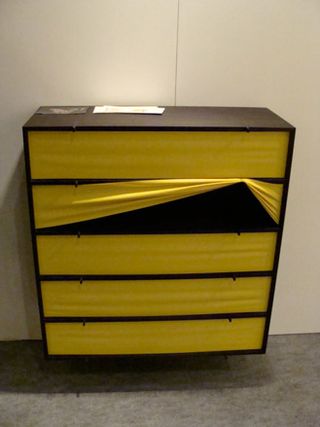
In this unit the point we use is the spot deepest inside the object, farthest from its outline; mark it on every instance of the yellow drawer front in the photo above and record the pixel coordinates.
(155, 297)
(155, 337)
(157, 154)
(56, 205)
(156, 254)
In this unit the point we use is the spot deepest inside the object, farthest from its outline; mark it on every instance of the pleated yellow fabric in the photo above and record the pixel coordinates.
(155, 336)
(155, 297)
(156, 254)
(160, 155)
(65, 204)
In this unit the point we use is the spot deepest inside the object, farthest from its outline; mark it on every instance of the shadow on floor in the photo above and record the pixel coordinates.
(24, 369)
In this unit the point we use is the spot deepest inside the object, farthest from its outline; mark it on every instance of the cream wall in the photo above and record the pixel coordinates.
(254, 53)
(67, 52)
(237, 52)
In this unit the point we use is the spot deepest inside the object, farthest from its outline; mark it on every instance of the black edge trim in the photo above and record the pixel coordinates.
(84, 277)
(147, 355)
(49, 232)
(164, 318)
(154, 128)
(279, 237)
(34, 240)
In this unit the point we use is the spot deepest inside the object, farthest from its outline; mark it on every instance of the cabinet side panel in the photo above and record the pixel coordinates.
(33, 236)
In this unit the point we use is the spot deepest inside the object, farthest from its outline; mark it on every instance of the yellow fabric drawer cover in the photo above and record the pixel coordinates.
(156, 254)
(155, 297)
(155, 336)
(113, 154)
(65, 204)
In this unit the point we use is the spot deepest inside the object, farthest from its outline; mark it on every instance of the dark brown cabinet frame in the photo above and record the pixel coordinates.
(228, 119)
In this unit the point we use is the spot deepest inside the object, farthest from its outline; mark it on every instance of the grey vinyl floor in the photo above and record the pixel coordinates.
(279, 389)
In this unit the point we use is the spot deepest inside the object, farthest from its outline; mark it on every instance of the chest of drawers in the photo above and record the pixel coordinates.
(157, 234)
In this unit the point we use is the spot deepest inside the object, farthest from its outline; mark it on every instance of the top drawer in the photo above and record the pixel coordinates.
(146, 154)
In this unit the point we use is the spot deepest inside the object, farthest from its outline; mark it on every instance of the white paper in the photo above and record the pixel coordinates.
(128, 110)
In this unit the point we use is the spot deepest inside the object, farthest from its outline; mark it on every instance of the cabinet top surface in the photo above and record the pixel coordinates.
(173, 118)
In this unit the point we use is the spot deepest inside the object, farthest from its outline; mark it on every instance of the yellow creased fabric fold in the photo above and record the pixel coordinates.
(90, 201)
